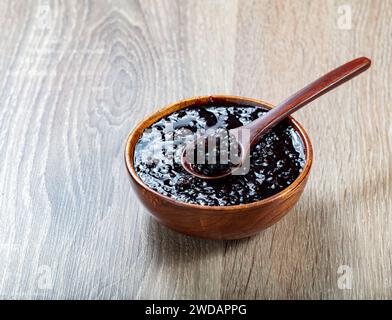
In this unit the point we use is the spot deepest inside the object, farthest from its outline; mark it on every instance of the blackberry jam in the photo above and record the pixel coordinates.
(275, 161)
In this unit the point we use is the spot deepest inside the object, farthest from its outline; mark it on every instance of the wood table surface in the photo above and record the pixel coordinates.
(76, 76)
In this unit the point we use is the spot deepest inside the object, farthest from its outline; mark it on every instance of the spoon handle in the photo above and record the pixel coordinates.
(302, 97)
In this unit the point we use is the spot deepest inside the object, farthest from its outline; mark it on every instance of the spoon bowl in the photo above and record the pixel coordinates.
(188, 164)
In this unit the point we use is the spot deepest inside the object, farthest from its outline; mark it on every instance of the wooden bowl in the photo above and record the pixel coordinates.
(216, 222)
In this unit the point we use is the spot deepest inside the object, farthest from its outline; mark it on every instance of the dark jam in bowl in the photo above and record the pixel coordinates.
(275, 162)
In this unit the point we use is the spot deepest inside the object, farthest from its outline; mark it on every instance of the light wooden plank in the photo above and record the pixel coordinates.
(76, 76)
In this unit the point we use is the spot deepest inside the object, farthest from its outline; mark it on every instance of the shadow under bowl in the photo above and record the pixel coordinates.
(216, 222)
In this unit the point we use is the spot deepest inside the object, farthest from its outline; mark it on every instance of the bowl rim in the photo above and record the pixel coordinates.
(161, 112)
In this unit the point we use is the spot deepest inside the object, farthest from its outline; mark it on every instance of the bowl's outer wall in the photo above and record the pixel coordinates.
(209, 224)
(202, 221)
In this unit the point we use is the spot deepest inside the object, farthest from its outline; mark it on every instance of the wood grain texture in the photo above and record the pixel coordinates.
(77, 75)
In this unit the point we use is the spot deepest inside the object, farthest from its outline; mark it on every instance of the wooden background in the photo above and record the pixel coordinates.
(77, 75)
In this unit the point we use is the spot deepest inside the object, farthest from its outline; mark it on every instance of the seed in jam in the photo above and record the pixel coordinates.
(275, 161)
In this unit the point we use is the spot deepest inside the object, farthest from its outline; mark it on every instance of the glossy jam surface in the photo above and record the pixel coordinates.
(275, 162)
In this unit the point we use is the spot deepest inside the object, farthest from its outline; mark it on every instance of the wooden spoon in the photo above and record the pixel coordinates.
(257, 128)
